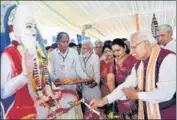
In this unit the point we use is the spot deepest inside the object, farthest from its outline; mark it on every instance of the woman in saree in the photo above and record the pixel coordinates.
(105, 65)
(118, 72)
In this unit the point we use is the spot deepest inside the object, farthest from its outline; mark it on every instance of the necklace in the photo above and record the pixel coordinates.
(64, 57)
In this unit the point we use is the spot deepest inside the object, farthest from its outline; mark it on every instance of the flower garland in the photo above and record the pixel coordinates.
(40, 78)
(43, 86)
(44, 90)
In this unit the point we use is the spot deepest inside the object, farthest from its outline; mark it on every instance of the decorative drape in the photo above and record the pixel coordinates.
(154, 26)
(110, 19)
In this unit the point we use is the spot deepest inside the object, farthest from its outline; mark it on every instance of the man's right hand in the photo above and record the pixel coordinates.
(27, 63)
(98, 103)
(92, 84)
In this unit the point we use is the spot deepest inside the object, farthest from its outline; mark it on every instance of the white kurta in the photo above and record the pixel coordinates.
(65, 65)
(62, 66)
(166, 85)
(10, 84)
(91, 65)
(171, 46)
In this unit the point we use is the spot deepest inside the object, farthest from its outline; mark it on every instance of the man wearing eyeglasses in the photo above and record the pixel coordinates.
(154, 76)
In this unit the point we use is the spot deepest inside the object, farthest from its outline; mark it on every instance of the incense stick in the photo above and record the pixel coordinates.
(95, 111)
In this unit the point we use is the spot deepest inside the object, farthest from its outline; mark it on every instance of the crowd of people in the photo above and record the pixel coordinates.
(110, 64)
(120, 79)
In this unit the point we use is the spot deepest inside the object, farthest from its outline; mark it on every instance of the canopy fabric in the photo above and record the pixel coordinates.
(110, 19)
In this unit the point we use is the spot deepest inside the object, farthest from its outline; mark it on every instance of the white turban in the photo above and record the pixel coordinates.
(21, 14)
(25, 28)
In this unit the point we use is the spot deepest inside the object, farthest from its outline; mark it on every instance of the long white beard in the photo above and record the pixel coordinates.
(29, 43)
(84, 54)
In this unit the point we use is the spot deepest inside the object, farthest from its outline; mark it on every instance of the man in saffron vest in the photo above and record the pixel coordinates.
(155, 77)
(24, 71)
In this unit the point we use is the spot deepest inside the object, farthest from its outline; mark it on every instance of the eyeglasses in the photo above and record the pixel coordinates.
(134, 47)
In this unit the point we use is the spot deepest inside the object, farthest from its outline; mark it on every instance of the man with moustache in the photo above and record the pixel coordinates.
(64, 65)
(91, 64)
(165, 37)
(98, 45)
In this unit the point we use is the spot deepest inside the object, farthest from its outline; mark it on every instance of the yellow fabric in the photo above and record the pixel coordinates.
(30, 116)
(33, 83)
(153, 111)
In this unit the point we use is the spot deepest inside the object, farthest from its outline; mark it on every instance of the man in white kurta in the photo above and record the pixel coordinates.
(171, 45)
(91, 65)
(165, 38)
(98, 45)
(166, 85)
(64, 63)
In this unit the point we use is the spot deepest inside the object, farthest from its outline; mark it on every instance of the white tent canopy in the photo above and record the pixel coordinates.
(110, 19)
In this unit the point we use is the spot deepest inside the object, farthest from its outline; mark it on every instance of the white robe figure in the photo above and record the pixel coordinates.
(25, 32)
